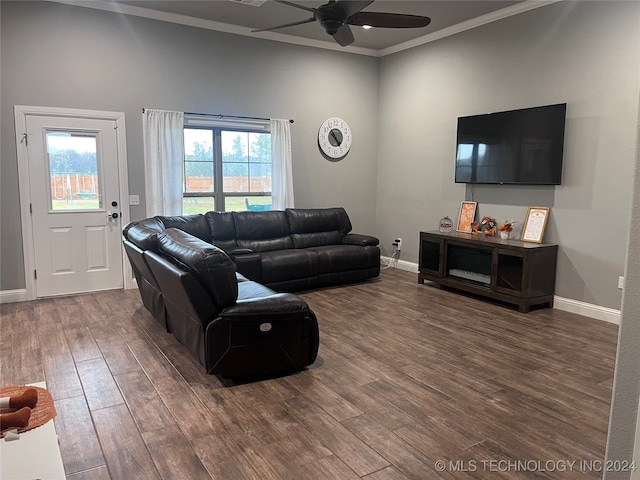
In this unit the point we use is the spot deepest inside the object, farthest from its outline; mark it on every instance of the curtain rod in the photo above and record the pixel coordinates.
(220, 115)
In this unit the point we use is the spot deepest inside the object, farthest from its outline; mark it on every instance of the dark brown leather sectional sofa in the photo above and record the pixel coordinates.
(213, 281)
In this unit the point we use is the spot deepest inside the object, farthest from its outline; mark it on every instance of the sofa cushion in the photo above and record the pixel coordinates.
(306, 240)
(359, 239)
(223, 230)
(196, 225)
(342, 258)
(262, 231)
(312, 220)
(211, 266)
(282, 243)
(281, 265)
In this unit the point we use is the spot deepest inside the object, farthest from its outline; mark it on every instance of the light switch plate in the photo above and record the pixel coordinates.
(134, 199)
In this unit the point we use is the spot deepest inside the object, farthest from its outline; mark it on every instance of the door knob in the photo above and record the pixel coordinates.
(112, 215)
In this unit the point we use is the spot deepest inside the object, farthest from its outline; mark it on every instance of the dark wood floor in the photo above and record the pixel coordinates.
(407, 375)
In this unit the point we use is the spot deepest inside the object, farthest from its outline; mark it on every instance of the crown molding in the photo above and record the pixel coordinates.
(116, 7)
(506, 12)
(213, 25)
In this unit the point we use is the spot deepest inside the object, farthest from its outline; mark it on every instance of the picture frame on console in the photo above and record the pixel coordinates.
(534, 224)
(467, 216)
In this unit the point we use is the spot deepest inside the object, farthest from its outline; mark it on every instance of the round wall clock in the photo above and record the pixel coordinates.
(334, 138)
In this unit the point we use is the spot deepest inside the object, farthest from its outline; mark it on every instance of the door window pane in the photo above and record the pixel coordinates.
(74, 171)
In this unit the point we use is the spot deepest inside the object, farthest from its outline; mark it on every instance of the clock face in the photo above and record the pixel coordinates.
(334, 137)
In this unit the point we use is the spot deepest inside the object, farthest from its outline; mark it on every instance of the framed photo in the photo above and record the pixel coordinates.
(466, 217)
(534, 224)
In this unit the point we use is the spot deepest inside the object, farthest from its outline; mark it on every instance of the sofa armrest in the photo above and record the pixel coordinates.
(278, 305)
(238, 251)
(144, 234)
(248, 264)
(358, 239)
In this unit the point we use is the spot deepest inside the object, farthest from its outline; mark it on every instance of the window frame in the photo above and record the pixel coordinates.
(219, 195)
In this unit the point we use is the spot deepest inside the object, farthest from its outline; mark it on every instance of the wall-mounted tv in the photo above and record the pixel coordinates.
(515, 147)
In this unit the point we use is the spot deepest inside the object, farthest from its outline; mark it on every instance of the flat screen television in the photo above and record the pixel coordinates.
(515, 147)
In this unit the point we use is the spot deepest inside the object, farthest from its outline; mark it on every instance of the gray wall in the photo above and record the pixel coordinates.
(398, 178)
(583, 54)
(63, 56)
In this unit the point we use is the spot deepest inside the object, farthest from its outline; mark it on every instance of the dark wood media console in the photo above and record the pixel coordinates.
(511, 271)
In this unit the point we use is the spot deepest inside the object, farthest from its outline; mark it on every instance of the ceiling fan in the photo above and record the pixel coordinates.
(336, 16)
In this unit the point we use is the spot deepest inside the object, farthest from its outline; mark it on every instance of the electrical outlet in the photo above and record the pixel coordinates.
(399, 242)
(620, 283)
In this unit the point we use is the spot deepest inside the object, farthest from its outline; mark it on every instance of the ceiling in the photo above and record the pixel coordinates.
(242, 16)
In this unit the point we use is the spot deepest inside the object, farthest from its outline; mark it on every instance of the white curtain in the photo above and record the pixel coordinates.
(163, 133)
(282, 176)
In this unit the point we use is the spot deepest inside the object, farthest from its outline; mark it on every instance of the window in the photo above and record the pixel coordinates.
(226, 168)
(74, 171)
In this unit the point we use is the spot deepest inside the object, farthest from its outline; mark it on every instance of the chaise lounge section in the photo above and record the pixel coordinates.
(232, 326)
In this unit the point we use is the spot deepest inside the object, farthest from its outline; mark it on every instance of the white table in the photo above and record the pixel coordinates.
(35, 455)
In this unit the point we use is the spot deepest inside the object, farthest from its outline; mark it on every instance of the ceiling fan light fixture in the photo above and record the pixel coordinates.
(331, 25)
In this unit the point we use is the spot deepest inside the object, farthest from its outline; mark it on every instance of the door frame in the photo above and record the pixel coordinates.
(21, 113)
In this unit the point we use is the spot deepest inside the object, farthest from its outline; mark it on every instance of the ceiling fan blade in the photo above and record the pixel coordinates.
(292, 24)
(351, 7)
(344, 36)
(291, 4)
(388, 20)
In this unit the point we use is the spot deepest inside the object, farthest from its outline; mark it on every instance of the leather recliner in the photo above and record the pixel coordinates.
(231, 325)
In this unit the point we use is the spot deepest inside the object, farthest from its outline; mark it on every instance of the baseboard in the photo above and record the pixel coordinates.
(565, 304)
(12, 296)
(400, 264)
(590, 310)
(408, 266)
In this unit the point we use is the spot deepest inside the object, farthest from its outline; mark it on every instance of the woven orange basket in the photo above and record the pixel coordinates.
(40, 414)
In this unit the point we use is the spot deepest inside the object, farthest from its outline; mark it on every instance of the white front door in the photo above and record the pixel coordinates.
(75, 204)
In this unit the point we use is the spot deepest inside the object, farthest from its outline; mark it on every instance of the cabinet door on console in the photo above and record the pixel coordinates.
(431, 254)
(509, 272)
